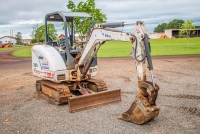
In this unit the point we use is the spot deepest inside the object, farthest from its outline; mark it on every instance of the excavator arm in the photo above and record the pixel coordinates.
(144, 108)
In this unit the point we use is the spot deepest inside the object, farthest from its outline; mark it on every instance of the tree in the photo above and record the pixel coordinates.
(38, 33)
(187, 28)
(35, 37)
(160, 28)
(52, 32)
(174, 24)
(34, 31)
(33, 41)
(19, 37)
(197, 26)
(82, 26)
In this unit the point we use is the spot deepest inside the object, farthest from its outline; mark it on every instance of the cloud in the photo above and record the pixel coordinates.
(152, 12)
(22, 15)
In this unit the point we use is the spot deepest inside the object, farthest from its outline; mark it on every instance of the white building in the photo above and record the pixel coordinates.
(8, 39)
(155, 35)
(174, 33)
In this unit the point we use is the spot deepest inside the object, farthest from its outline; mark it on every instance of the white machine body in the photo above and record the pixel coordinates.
(47, 63)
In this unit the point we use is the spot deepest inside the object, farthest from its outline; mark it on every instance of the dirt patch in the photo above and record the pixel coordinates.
(126, 79)
(16, 79)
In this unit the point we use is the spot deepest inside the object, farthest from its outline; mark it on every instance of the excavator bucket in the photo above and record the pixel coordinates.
(77, 103)
(144, 108)
(139, 114)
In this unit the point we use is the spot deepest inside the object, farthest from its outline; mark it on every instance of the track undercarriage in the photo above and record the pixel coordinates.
(79, 95)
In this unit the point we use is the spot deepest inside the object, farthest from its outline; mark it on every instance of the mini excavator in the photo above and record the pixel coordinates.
(67, 72)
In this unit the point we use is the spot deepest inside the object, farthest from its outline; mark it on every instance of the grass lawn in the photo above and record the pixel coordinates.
(24, 53)
(159, 47)
(115, 49)
(176, 46)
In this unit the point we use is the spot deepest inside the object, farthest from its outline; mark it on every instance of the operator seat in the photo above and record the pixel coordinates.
(74, 52)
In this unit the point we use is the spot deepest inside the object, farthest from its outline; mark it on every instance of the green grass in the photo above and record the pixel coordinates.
(115, 49)
(174, 47)
(159, 47)
(23, 53)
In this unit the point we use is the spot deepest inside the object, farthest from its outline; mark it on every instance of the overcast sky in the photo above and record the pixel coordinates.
(22, 15)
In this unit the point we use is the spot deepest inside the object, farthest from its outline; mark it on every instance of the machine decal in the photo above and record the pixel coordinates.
(106, 35)
(45, 67)
(45, 63)
(35, 64)
(45, 74)
(50, 75)
(40, 57)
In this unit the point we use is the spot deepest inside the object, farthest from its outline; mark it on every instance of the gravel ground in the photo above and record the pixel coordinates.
(23, 111)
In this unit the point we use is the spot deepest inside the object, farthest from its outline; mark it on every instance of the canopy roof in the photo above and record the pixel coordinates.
(59, 15)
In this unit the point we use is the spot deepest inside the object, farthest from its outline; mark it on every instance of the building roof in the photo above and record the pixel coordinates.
(8, 37)
(61, 36)
(183, 29)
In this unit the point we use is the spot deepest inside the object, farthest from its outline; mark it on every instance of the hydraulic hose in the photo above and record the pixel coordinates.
(136, 58)
(146, 54)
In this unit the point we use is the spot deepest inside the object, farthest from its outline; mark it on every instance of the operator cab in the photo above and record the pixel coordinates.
(67, 46)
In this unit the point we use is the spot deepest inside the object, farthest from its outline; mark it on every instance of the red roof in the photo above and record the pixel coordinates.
(61, 36)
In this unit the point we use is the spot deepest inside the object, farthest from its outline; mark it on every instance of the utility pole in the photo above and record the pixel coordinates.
(179, 29)
(10, 36)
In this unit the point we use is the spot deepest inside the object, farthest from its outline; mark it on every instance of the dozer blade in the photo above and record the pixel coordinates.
(77, 103)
